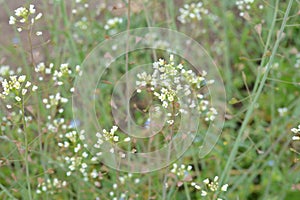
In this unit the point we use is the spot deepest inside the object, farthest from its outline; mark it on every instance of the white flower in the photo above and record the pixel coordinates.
(85, 154)
(203, 193)
(38, 33)
(12, 20)
(295, 138)
(31, 9)
(34, 88)
(116, 138)
(38, 16)
(21, 11)
(18, 98)
(24, 91)
(282, 111)
(224, 187)
(216, 178)
(198, 187)
(206, 181)
(127, 139)
(22, 78)
(27, 84)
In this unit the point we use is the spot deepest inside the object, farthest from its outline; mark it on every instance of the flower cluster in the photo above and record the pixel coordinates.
(108, 136)
(50, 186)
(55, 101)
(25, 17)
(171, 84)
(192, 12)
(244, 5)
(210, 186)
(16, 87)
(6, 71)
(112, 25)
(182, 172)
(296, 132)
(58, 75)
(74, 142)
(81, 6)
(123, 180)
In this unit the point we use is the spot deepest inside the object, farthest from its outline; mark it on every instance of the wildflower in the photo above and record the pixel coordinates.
(127, 139)
(50, 186)
(31, 9)
(39, 16)
(171, 83)
(282, 111)
(245, 5)
(296, 131)
(39, 33)
(34, 88)
(24, 91)
(24, 16)
(192, 12)
(206, 181)
(182, 172)
(28, 84)
(224, 187)
(203, 193)
(22, 78)
(112, 25)
(18, 98)
(12, 20)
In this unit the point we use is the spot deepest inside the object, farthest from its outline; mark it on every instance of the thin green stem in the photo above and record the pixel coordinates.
(233, 153)
(6, 192)
(26, 152)
(187, 192)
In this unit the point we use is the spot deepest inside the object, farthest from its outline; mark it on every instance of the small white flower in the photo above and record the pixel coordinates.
(127, 139)
(22, 78)
(282, 111)
(85, 154)
(203, 193)
(224, 187)
(64, 100)
(44, 188)
(31, 9)
(34, 88)
(116, 138)
(197, 187)
(38, 16)
(295, 138)
(18, 98)
(216, 178)
(171, 57)
(27, 84)
(24, 91)
(206, 181)
(39, 33)
(12, 20)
